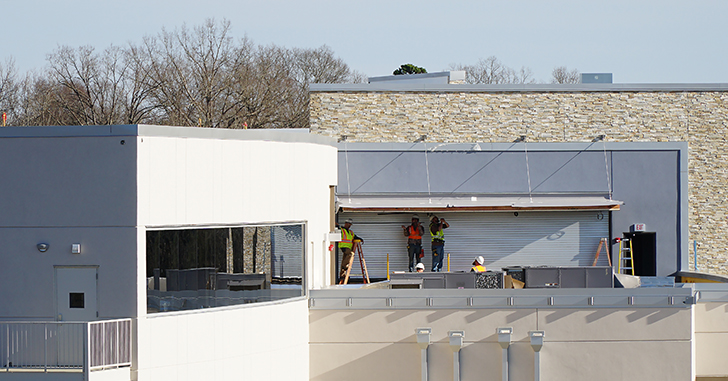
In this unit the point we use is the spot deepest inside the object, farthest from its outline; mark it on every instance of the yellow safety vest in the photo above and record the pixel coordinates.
(440, 235)
(478, 269)
(347, 237)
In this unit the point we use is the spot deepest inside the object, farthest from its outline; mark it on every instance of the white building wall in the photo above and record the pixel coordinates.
(267, 341)
(193, 181)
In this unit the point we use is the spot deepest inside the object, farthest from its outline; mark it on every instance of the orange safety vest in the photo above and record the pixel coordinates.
(347, 237)
(414, 233)
(478, 269)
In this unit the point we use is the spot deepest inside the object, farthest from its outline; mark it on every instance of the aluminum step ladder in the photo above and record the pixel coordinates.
(364, 273)
(626, 260)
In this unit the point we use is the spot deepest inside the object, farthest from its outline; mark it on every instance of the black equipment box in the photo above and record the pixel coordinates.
(417, 280)
(569, 277)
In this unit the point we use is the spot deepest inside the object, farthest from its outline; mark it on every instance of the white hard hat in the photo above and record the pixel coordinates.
(349, 221)
(480, 260)
(420, 266)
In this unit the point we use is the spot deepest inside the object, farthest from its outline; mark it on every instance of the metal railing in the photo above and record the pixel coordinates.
(48, 346)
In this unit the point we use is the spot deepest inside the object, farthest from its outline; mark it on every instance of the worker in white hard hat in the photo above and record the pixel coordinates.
(414, 233)
(420, 268)
(478, 265)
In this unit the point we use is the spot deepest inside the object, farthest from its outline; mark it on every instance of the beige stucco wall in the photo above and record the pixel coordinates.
(579, 344)
(699, 117)
(711, 339)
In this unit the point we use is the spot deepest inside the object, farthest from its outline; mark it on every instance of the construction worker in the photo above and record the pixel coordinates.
(346, 245)
(438, 241)
(420, 268)
(478, 265)
(414, 233)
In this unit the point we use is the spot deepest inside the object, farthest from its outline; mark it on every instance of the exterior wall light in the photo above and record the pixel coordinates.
(456, 342)
(76, 248)
(42, 247)
(423, 341)
(536, 344)
(504, 340)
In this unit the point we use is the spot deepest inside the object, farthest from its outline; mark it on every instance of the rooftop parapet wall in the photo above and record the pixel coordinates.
(637, 113)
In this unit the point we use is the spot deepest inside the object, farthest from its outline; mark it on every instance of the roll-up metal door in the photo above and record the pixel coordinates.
(287, 247)
(562, 238)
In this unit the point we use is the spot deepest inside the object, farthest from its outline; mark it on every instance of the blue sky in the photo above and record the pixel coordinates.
(638, 41)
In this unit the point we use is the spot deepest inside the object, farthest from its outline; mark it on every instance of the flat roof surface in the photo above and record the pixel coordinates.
(297, 135)
(402, 86)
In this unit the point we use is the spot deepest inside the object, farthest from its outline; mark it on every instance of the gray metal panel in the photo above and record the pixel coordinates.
(565, 238)
(650, 186)
(477, 172)
(596, 77)
(287, 251)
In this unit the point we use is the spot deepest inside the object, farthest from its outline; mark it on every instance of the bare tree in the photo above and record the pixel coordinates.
(320, 66)
(9, 88)
(492, 71)
(563, 75)
(197, 76)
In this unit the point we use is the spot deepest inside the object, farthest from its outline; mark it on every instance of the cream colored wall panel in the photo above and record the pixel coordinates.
(615, 324)
(199, 180)
(180, 181)
(711, 317)
(231, 203)
(365, 361)
(711, 350)
(382, 326)
(638, 361)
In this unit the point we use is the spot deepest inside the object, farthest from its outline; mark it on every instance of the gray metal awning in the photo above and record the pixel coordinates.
(474, 203)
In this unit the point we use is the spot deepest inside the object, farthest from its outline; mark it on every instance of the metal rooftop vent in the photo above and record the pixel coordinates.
(596, 77)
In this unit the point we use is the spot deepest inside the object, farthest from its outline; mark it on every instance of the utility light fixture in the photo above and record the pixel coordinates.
(519, 139)
(598, 138)
(42, 247)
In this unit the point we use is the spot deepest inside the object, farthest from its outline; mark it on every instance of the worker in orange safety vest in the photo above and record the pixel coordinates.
(414, 233)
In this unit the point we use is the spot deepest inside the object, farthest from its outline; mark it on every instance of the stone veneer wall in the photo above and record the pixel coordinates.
(699, 117)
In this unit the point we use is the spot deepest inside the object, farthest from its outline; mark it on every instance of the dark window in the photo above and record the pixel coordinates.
(211, 267)
(76, 300)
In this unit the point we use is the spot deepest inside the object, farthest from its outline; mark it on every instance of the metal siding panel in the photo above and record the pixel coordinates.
(503, 239)
(287, 250)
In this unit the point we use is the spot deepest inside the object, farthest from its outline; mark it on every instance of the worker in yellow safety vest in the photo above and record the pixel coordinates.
(347, 243)
(478, 265)
(438, 241)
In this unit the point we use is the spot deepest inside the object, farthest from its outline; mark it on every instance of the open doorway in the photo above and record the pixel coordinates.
(644, 252)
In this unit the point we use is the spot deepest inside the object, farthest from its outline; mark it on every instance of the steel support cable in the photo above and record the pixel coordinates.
(606, 166)
(427, 169)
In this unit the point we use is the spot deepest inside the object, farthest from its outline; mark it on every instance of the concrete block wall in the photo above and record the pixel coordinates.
(698, 117)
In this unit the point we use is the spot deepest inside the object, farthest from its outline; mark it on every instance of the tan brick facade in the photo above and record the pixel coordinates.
(698, 117)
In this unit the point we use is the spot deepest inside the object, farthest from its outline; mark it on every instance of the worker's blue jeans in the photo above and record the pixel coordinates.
(438, 252)
(413, 251)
